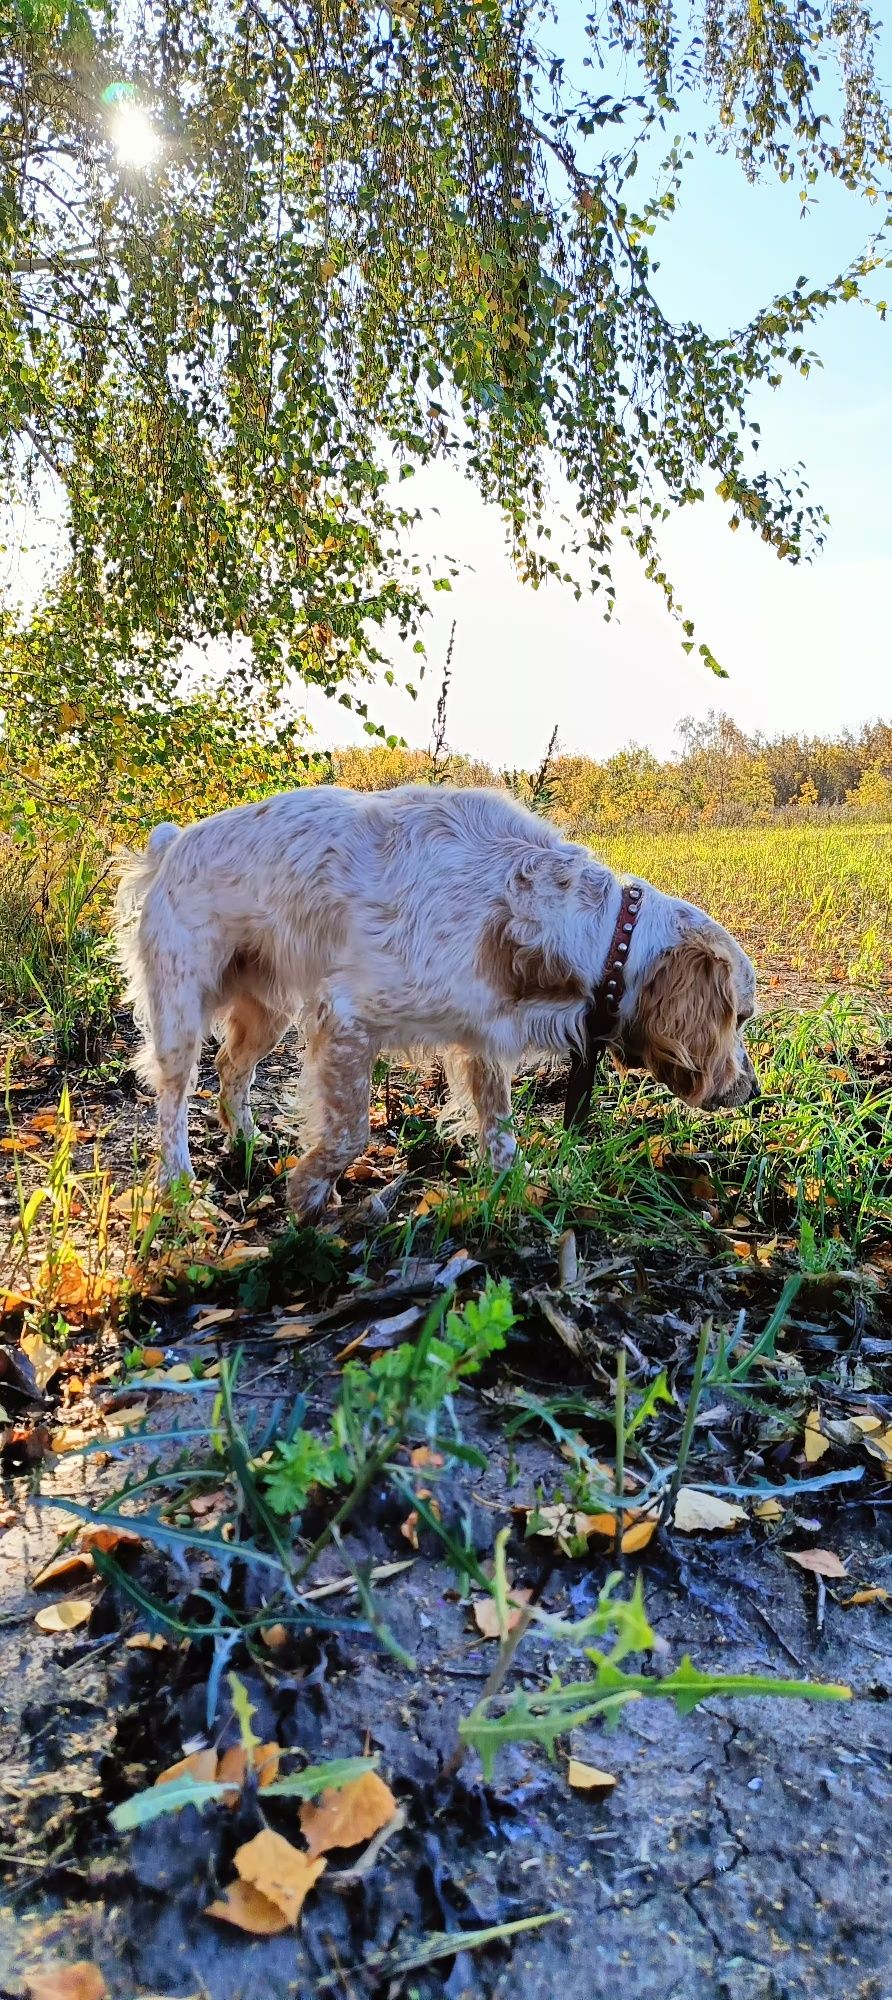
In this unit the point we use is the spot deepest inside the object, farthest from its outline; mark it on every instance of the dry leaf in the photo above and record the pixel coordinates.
(76, 1567)
(232, 1767)
(814, 1440)
(274, 1636)
(45, 1360)
(486, 1613)
(638, 1536)
(587, 1777)
(200, 1765)
(821, 1562)
(347, 1817)
(244, 1906)
(66, 1616)
(25, 1142)
(702, 1513)
(146, 1642)
(769, 1510)
(422, 1455)
(874, 1595)
(12, 1303)
(81, 1981)
(280, 1872)
(866, 1421)
(106, 1540)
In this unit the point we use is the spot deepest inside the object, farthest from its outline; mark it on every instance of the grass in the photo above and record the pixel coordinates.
(811, 901)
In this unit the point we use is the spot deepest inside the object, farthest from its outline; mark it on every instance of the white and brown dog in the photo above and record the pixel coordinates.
(418, 919)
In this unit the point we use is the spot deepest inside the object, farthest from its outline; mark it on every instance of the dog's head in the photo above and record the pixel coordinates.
(685, 1024)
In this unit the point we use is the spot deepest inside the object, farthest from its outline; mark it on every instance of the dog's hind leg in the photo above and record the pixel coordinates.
(252, 1030)
(176, 1022)
(335, 1087)
(484, 1084)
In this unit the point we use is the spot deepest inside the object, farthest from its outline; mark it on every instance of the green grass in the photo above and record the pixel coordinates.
(814, 901)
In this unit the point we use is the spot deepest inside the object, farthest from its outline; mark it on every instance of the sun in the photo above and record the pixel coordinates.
(137, 142)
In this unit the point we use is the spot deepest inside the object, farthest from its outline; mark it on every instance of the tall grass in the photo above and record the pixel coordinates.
(815, 901)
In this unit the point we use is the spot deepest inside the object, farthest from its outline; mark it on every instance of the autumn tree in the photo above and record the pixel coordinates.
(261, 261)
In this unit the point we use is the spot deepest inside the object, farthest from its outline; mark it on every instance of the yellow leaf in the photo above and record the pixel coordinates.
(349, 1816)
(821, 1562)
(146, 1642)
(280, 1872)
(867, 1422)
(80, 1981)
(814, 1441)
(587, 1777)
(769, 1510)
(274, 1636)
(486, 1613)
(638, 1536)
(704, 1513)
(874, 1595)
(245, 1907)
(44, 1359)
(65, 1616)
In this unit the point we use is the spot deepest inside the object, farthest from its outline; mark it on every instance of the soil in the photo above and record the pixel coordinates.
(743, 1853)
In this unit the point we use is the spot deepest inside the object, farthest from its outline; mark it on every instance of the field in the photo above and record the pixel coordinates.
(455, 1489)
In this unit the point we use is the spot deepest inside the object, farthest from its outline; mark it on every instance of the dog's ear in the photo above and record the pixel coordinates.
(686, 1016)
(543, 872)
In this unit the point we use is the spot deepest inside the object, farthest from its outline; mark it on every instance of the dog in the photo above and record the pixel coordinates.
(420, 919)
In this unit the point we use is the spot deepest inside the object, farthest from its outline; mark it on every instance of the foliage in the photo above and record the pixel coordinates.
(358, 239)
(552, 1712)
(394, 1397)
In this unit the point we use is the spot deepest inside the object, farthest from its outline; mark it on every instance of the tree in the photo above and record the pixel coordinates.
(257, 259)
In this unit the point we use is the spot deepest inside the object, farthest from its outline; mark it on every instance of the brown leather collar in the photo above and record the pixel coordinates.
(602, 1010)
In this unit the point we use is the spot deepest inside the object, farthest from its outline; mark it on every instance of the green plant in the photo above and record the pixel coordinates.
(552, 1712)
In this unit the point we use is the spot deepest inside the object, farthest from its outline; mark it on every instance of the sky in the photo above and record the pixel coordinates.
(806, 648)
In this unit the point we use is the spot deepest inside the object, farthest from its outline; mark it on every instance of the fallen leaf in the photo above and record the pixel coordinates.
(12, 1303)
(245, 1907)
(814, 1440)
(703, 1513)
(638, 1536)
(200, 1765)
(215, 1316)
(280, 1872)
(274, 1636)
(65, 1616)
(80, 1981)
(347, 1817)
(409, 1528)
(106, 1540)
(486, 1613)
(232, 1767)
(423, 1456)
(75, 1567)
(587, 1777)
(874, 1595)
(866, 1421)
(146, 1642)
(45, 1360)
(821, 1562)
(768, 1510)
(25, 1142)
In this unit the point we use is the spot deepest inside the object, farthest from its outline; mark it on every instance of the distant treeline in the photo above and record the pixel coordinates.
(720, 777)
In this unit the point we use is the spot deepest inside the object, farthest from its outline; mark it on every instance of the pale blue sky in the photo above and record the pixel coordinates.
(807, 648)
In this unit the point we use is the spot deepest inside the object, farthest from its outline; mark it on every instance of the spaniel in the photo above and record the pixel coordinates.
(417, 919)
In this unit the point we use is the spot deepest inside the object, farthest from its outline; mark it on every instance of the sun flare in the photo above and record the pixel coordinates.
(136, 140)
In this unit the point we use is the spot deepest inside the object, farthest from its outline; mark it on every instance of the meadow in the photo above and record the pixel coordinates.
(350, 1529)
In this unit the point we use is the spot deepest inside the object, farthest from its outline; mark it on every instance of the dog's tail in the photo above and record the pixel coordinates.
(137, 872)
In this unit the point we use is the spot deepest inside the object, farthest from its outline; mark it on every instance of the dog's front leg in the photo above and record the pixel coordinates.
(336, 1084)
(485, 1083)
